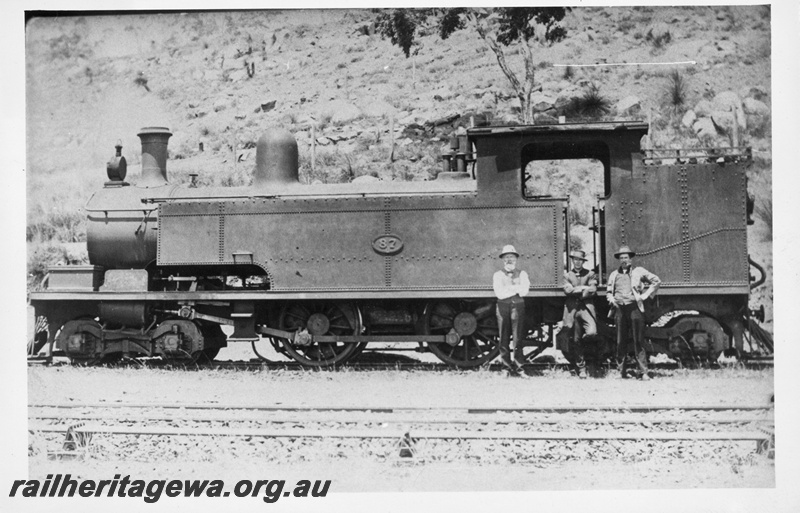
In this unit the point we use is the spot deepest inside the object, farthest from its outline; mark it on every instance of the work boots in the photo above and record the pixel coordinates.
(581, 365)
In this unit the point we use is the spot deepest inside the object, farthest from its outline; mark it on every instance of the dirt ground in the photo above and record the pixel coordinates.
(419, 388)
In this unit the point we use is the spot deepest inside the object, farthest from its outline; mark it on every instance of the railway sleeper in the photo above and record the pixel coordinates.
(79, 437)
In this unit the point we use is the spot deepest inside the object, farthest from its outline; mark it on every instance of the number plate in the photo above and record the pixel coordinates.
(387, 245)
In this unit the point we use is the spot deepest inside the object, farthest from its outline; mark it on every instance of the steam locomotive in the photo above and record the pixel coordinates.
(324, 270)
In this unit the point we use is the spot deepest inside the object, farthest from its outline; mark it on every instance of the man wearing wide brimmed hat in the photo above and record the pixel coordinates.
(627, 290)
(580, 317)
(510, 286)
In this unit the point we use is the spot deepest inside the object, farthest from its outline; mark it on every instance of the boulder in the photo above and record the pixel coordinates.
(755, 107)
(220, 105)
(727, 100)
(689, 118)
(541, 102)
(268, 106)
(75, 252)
(705, 130)
(724, 119)
(565, 99)
(488, 100)
(347, 133)
(444, 120)
(339, 111)
(704, 108)
(376, 109)
(442, 94)
(543, 118)
(755, 92)
(629, 105)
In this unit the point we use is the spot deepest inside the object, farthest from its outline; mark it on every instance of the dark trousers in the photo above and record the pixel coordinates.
(630, 325)
(510, 321)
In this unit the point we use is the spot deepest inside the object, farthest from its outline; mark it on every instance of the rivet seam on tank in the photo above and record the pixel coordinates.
(221, 231)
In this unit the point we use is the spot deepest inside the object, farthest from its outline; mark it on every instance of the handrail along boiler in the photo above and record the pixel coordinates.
(323, 270)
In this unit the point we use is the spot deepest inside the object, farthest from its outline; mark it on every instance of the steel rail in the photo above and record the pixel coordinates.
(633, 408)
(619, 419)
(366, 366)
(758, 436)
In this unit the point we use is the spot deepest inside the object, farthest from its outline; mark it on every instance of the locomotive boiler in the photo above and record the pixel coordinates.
(322, 271)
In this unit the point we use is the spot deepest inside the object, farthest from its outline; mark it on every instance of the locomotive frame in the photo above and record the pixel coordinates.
(323, 270)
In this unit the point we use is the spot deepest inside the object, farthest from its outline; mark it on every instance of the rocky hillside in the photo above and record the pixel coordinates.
(217, 80)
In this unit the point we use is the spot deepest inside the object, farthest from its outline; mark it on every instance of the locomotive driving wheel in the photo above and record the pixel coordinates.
(320, 318)
(473, 331)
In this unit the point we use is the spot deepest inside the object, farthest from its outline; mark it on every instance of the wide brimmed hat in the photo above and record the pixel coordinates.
(577, 253)
(623, 250)
(508, 249)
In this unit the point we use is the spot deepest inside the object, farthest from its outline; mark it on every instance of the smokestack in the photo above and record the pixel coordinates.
(276, 159)
(154, 156)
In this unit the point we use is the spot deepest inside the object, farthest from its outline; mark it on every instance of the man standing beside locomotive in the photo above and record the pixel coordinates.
(580, 318)
(626, 293)
(510, 286)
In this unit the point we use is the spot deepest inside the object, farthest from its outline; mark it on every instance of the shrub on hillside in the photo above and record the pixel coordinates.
(626, 25)
(659, 35)
(55, 225)
(592, 105)
(40, 258)
(575, 242)
(675, 92)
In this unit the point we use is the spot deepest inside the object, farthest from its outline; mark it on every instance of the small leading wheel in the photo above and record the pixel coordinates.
(696, 340)
(476, 325)
(82, 341)
(320, 318)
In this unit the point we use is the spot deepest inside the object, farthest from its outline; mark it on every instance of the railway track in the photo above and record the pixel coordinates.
(411, 431)
(366, 366)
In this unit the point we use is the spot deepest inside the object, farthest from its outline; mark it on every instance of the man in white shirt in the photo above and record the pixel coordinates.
(510, 286)
(629, 286)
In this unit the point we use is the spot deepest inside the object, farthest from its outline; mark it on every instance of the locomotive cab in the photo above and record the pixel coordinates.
(509, 158)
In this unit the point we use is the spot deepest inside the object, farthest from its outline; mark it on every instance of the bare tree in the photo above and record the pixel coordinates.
(525, 28)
